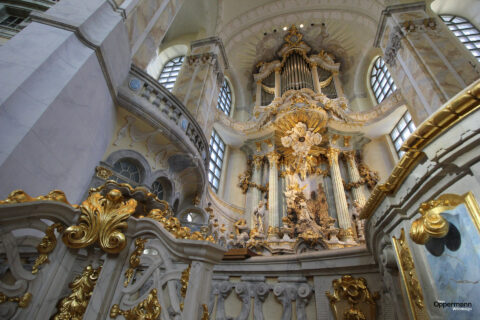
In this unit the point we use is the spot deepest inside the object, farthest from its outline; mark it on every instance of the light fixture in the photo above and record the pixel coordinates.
(301, 25)
(285, 28)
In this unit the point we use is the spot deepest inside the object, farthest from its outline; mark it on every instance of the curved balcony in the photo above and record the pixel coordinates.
(143, 96)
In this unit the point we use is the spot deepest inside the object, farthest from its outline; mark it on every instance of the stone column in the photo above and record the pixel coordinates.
(316, 81)
(258, 96)
(278, 83)
(344, 219)
(425, 59)
(256, 194)
(358, 192)
(273, 189)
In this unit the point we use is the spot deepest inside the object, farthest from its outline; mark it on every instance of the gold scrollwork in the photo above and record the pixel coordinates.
(46, 246)
(409, 276)
(432, 224)
(73, 306)
(205, 314)
(356, 294)
(20, 196)
(22, 301)
(134, 259)
(148, 309)
(184, 282)
(101, 221)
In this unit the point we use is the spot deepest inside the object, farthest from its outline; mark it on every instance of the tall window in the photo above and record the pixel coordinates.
(157, 189)
(465, 32)
(127, 169)
(381, 80)
(217, 151)
(402, 131)
(225, 98)
(170, 71)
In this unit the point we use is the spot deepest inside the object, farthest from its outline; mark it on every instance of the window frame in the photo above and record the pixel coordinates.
(471, 45)
(225, 97)
(378, 73)
(162, 189)
(167, 78)
(402, 134)
(124, 178)
(213, 165)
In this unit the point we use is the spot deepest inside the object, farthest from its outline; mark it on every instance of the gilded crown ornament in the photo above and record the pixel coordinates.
(102, 220)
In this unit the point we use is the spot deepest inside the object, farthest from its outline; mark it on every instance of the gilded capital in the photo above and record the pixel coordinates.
(332, 155)
(257, 161)
(350, 156)
(273, 158)
(278, 69)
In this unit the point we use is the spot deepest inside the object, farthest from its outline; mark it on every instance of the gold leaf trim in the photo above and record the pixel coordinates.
(134, 259)
(409, 276)
(20, 196)
(22, 301)
(74, 305)
(184, 283)
(46, 246)
(148, 309)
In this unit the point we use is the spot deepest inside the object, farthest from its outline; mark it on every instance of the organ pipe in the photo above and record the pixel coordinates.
(296, 74)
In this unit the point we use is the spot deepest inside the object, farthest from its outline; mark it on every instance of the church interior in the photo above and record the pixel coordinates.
(254, 159)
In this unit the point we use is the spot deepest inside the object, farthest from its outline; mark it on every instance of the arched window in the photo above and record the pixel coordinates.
(225, 98)
(170, 71)
(127, 169)
(402, 131)
(157, 189)
(217, 151)
(381, 80)
(465, 32)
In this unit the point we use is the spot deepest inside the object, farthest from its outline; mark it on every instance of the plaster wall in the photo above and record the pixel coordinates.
(235, 165)
(378, 157)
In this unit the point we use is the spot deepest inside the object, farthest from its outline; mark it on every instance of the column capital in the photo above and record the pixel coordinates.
(278, 69)
(350, 156)
(257, 161)
(273, 157)
(332, 154)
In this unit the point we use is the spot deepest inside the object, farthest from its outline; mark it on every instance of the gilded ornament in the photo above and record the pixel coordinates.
(22, 301)
(356, 293)
(432, 224)
(205, 314)
(46, 246)
(409, 275)
(134, 259)
(73, 306)
(102, 220)
(103, 173)
(184, 283)
(148, 309)
(20, 196)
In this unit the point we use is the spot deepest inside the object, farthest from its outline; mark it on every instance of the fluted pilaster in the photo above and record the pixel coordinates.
(344, 219)
(273, 158)
(358, 191)
(256, 194)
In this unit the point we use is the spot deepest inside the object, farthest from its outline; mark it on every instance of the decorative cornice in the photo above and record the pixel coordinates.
(388, 12)
(212, 40)
(463, 104)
